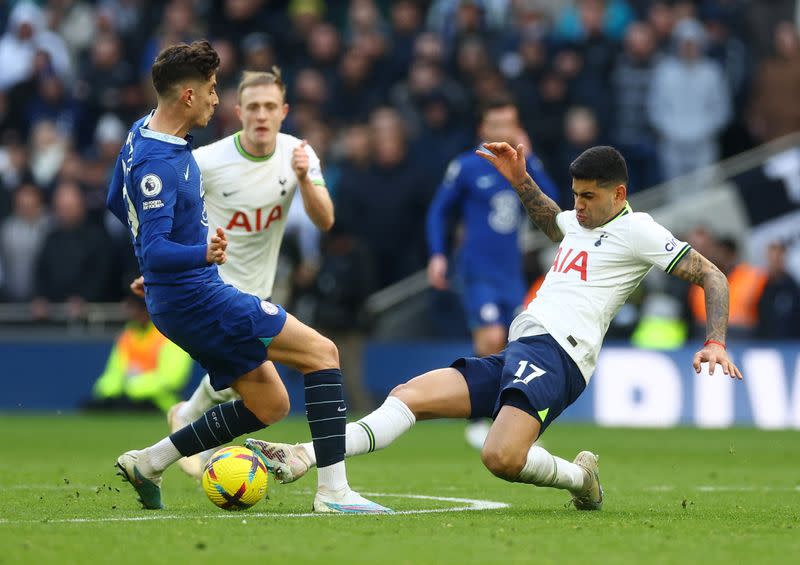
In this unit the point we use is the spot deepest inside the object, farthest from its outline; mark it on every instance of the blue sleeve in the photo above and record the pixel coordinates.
(114, 200)
(447, 195)
(155, 194)
(540, 177)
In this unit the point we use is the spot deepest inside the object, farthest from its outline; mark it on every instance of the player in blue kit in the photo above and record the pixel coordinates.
(488, 265)
(157, 190)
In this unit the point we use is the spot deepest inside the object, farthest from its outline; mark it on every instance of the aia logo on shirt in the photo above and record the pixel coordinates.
(578, 262)
(258, 221)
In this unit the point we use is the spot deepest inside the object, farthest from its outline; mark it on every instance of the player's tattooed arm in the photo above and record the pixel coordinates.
(698, 270)
(541, 209)
(510, 162)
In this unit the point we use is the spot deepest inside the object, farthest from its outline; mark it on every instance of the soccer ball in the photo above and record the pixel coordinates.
(235, 478)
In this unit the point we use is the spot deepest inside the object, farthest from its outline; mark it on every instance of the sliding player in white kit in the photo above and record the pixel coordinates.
(250, 179)
(605, 251)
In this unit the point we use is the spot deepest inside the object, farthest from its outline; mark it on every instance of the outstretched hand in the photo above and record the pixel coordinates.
(508, 161)
(713, 354)
(215, 253)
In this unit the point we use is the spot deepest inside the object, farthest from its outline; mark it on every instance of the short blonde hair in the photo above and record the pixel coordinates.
(258, 78)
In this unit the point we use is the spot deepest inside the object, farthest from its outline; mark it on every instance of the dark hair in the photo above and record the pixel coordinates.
(180, 62)
(495, 102)
(603, 164)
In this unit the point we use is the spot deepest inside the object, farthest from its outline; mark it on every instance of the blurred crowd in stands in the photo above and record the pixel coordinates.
(386, 93)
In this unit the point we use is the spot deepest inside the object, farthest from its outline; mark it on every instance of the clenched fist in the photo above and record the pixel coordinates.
(300, 161)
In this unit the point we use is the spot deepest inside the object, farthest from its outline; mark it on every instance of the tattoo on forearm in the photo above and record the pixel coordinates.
(691, 268)
(716, 288)
(700, 271)
(541, 209)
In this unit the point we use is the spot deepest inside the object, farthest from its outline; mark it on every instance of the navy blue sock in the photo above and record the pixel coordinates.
(327, 415)
(217, 426)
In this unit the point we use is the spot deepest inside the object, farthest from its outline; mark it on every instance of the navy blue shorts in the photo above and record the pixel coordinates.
(228, 333)
(533, 374)
(486, 302)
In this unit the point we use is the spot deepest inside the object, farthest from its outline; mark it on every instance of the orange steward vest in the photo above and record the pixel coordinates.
(746, 285)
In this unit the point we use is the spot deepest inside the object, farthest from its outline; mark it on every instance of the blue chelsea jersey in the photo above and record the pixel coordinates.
(490, 211)
(157, 191)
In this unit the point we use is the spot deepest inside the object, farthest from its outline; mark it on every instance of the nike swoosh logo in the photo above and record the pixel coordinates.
(229, 193)
(341, 409)
(186, 176)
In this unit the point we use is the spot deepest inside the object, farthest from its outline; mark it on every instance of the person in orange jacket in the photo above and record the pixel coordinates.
(746, 283)
(144, 366)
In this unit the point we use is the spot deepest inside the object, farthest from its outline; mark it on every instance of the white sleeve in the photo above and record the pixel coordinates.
(314, 167)
(308, 236)
(198, 155)
(655, 244)
(201, 155)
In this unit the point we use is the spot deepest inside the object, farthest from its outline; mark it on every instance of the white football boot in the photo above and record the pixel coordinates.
(194, 464)
(284, 461)
(134, 467)
(591, 498)
(346, 501)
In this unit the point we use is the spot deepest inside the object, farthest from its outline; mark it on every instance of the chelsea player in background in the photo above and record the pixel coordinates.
(488, 265)
(157, 191)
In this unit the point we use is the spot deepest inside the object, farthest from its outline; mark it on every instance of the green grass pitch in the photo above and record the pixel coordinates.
(672, 496)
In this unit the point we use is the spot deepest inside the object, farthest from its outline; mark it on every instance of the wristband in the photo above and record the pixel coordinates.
(722, 345)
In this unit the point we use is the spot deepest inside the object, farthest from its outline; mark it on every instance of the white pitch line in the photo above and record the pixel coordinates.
(725, 488)
(470, 505)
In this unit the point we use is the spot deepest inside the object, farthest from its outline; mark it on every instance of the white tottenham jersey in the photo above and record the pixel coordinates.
(249, 197)
(594, 272)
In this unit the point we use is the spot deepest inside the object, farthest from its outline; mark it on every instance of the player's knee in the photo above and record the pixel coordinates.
(501, 462)
(326, 354)
(409, 396)
(400, 391)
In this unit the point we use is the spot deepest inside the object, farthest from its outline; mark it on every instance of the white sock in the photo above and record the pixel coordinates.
(375, 430)
(163, 454)
(203, 398)
(546, 470)
(332, 478)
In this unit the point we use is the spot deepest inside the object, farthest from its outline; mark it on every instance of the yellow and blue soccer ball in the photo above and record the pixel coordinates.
(235, 478)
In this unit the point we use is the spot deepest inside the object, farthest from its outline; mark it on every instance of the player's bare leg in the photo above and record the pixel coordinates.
(305, 349)
(442, 393)
(489, 339)
(510, 453)
(264, 393)
(486, 340)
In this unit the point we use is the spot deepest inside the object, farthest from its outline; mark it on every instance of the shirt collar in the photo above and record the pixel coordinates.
(165, 137)
(625, 210)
